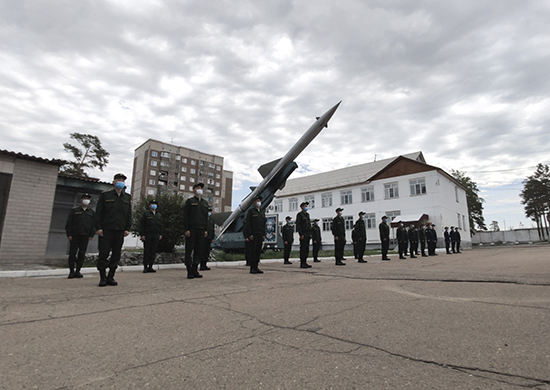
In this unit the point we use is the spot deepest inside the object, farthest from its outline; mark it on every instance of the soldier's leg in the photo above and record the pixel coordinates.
(316, 247)
(197, 251)
(146, 253)
(207, 247)
(361, 253)
(287, 250)
(82, 247)
(154, 242)
(73, 248)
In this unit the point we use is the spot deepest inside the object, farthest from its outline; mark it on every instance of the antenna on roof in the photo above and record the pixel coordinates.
(375, 158)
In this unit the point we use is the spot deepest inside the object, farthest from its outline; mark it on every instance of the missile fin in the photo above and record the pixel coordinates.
(267, 168)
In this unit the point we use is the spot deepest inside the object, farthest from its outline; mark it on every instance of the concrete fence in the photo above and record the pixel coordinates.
(518, 236)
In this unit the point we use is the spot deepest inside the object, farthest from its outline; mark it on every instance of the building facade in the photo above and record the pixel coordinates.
(162, 167)
(404, 188)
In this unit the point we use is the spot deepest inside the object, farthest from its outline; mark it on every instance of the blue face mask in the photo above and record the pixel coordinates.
(120, 185)
(154, 206)
(306, 208)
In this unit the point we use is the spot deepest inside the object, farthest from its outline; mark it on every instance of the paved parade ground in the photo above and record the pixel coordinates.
(477, 320)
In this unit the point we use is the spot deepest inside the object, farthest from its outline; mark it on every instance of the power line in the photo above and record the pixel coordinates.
(502, 170)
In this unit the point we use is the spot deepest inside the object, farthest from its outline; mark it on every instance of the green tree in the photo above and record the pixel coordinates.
(535, 197)
(475, 202)
(171, 208)
(89, 154)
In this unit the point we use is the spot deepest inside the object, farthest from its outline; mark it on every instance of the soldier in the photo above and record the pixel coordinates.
(208, 240)
(303, 227)
(432, 243)
(339, 233)
(384, 231)
(150, 231)
(288, 238)
(113, 220)
(402, 241)
(316, 236)
(452, 233)
(457, 235)
(80, 230)
(255, 232)
(447, 237)
(413, 239)
(195, 218)
(422, 239)
(361, 237)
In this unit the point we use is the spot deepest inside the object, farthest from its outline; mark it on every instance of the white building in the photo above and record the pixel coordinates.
(403, 188)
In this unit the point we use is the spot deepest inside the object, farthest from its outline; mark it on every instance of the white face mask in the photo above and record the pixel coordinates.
(258, 204)
(85, 202)
(198, 191)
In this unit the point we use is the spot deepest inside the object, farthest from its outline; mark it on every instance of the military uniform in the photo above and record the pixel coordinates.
(339, 233)
(402, 241)
(316, 238)
(422, 240)
(113, 216)
(447, 238)
(288, 239)
(413, 240)
(80, 227)
(150, 228)
(384, 231)
(361, 238)
(255, 228)
(207, 244)
(303, 227)
(195, 217)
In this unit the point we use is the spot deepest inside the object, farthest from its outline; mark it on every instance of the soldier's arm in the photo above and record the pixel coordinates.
(129, 218)
(99, 212)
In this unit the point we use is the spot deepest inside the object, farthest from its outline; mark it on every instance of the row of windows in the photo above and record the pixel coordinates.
(184, 160)
(391, 191)
(184, 178)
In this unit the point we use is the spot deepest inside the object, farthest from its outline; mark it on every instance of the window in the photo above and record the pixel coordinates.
(218, 176)
(184, 169)
(218, 168)
(211, 166)
(278, 206)
(183, 178)
(164, 164)
(154, 154)
(150, 192)
(391, 190)
(152, 182)
(217, 193)
(458, 217)
(327, 224)
(193, 162)
(326, 199)
(217, 201)
(152, 173)
(392, 214)
(201, 163)
(463, 222)
(456, 194)
(209, 181)
(348, 220)
(162, 183)
(217, 184)
(418, 186)
(192, 179)
(193, 171)
(345, 197)
(165, 154)
(370, 221)
(367, 194)
(292, 204)
(182, 187)
(311, 200)
(153, 163)
(184, 160)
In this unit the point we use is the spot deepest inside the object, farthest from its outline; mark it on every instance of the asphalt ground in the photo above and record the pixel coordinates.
(476, 320)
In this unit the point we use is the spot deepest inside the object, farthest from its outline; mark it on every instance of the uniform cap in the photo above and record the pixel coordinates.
(339, 209)
(316, 220)
(287, 218)
(384, 217)
(201, 185)
(304, 204)
(120, 176)
(361, 213)
(153, 201)
(86, 196)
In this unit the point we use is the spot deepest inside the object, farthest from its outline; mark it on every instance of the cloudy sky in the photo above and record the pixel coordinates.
(465, 82)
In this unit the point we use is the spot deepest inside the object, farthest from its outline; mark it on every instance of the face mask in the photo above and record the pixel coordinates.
(306, 208)
(199, 191)
(209, 213)
(154, 206)
(258, 204)
(85, 202)
(120, 185)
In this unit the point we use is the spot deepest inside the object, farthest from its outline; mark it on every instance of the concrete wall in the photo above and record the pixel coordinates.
(521, 236)
(28, 212)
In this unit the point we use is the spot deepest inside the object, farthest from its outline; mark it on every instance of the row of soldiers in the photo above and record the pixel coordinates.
(112, 221)
(426, 236)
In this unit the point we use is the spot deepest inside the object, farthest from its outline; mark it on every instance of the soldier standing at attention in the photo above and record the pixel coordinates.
(453, 239)
(316, 236)
(195, 216)
(113, 220)
(413, 239)
(255, 232)
(150, 231)
(80, 230)
(457, 235)
(422, 239)
(361, 237)
(447, 237)
(208, 240)
(339, 233)
(384, 231)
(288, 238)
(402, 241)
(303, 227)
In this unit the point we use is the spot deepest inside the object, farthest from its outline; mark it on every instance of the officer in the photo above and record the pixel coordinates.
(288, 238)
(255, 232)
(413, 239)
(303, 227)
(402, 240)
(113, 220)
(384, 231)
(452, 234)
(80, 230)
(195, 218)
(354, 237)
(339, 233)
(431, 237)
(208, 240)
(316, 236)
(422, 239)
(361, 237)
(150, 231)
(457, 235)
(447, 237)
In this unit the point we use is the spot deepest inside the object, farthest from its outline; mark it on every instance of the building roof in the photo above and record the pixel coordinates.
(33, 158)
(342, 177)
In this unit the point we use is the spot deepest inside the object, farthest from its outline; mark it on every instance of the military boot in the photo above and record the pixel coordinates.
(111, 277)
(196, 271)
(151, 269)
(190, 273)
(145, 268)
(102, 278)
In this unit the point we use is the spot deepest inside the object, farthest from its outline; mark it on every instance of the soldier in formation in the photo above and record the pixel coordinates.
(384, 231)
(150, 232)
(360, 238)
(339, 233)
(255, 232)
(413, 240)
(288, 239)
(303, 227)
(316, 238)
(402, 240)
(208, 240)
(80, 230)
(195, 218)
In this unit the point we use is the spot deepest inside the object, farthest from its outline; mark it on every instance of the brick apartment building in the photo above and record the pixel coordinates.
(162, 167)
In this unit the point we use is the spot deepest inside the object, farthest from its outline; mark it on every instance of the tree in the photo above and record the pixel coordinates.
(474, 201)
(171, 208)
(494, 226)
(89, 154)
(535, 196)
